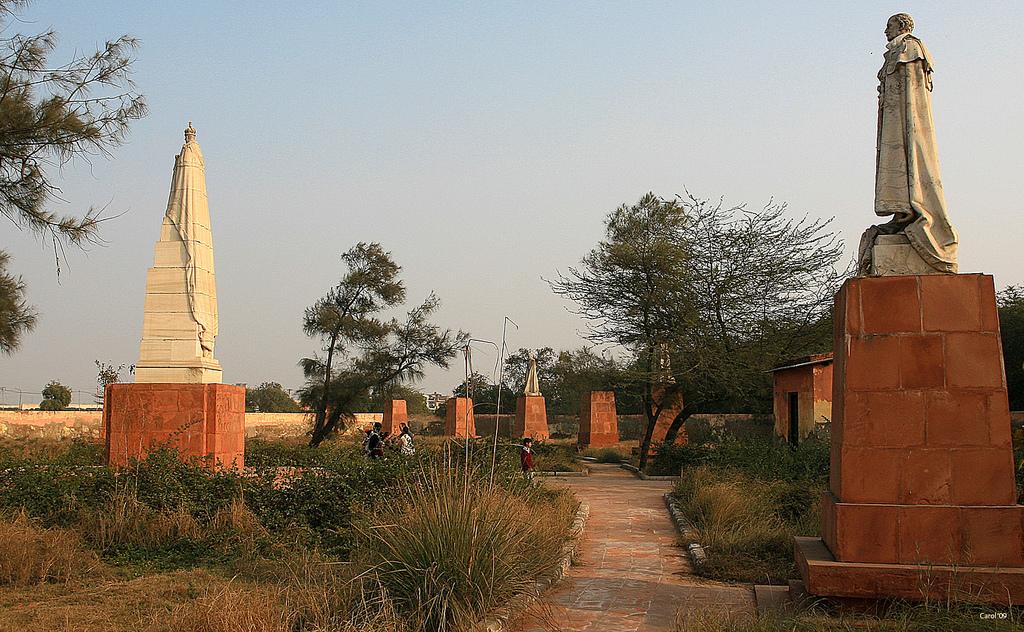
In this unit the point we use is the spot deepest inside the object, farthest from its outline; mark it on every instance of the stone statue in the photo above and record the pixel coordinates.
(180, 316)
(532, 383)
(919, 238)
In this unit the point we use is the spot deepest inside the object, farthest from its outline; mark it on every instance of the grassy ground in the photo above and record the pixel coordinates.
(308, 540)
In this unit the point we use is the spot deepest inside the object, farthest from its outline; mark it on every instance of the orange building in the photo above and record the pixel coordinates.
(802, 396)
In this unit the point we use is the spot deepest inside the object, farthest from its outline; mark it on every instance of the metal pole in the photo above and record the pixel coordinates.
(501, 380)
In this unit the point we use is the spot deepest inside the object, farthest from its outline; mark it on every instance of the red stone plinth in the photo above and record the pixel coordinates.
(204, 421)
(531, 418)
(458, 420)
(672, 406)
(395, 414)
(922, 474)
(599, 423)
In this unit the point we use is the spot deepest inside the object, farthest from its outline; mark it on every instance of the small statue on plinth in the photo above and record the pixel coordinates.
(919, 239)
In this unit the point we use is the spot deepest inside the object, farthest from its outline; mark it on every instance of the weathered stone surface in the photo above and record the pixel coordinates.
(531, 418)
(599, 423)
(204, 421)
(922, 467)
(180, 311)
(669, 410)
(893, 255)
(459, 421)
(395, 414)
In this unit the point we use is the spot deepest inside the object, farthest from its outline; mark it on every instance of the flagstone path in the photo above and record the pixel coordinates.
(631, 574)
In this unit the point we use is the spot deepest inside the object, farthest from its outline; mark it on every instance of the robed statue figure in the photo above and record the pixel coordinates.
(908, 186)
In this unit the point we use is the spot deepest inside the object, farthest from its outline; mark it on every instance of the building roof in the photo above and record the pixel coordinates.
(817, 358)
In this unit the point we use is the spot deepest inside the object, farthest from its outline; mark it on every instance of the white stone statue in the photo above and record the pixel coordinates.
(532, 382)
(919, 238)
(180, 317)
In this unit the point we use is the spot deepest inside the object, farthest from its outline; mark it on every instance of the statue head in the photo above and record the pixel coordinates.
(190, 133)
(898, 25)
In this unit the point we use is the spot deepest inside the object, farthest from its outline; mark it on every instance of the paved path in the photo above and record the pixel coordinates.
(632, 575)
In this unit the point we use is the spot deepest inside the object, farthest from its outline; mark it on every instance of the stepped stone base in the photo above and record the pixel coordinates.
(825, 576)
(204, 421)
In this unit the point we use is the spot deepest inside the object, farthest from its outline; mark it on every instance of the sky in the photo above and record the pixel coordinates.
(483, 144)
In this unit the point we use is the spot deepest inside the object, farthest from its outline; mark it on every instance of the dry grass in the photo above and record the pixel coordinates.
(126, 521)
(456, 548)
(31, 555)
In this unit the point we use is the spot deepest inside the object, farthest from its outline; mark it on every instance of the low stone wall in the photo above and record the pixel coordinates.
(63, 424)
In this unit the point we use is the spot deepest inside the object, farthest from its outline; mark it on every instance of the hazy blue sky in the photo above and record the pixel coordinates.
(484, 143)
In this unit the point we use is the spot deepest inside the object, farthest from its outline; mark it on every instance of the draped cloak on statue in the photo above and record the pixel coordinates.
(908, 185)
(189, 213)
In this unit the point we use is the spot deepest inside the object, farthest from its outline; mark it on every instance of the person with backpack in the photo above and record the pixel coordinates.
(375, 443)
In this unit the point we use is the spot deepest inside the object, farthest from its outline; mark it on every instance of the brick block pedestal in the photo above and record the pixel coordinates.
(458, 419)
(531, 418)
(205, 421)
(922, 499)
(395, 414)
(599, 423)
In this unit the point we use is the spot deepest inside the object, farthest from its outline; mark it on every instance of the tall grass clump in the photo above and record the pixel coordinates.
(745, 525)
(454, 547)
(31, 555)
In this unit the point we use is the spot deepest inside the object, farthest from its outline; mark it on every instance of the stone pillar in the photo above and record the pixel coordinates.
(394, 416)
(458, 421)
(664, 420)
(201, 421)
(599, 424)
(922, 500)
(531, 418)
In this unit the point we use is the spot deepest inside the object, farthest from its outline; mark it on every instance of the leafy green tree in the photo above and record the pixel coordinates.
(1011, 325)
(361, 353)
(50, 114)
(485, 395)
(56, 396)
(107, 373)
(705, 299)
(16, 316)
(270, 397)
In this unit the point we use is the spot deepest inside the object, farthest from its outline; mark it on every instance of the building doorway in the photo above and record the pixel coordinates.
(794, 419)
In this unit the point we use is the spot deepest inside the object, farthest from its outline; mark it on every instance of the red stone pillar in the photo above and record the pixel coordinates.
(664, 420)
(531, 418)
(458, 421)
(205, 421)
(599, 423)
(394, 416)
(922, 500)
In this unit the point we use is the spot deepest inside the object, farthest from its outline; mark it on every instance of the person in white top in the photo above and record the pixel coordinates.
(405, 442)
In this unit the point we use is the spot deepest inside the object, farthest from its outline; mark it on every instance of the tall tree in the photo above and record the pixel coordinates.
(706, 298)
(16, 316)
(50, 114)
(270, 397)
(1011, 326)
(360, 352)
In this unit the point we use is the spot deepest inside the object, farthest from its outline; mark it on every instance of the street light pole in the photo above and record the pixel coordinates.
(501, 381)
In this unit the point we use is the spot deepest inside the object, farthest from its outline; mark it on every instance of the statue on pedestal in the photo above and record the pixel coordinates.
(532, 388)
(919, 239)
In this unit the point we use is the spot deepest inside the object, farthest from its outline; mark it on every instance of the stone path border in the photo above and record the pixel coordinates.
(498, 621)
(698, 556)
(646, 477)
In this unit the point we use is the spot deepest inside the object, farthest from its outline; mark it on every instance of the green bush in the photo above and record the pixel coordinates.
(764, 459)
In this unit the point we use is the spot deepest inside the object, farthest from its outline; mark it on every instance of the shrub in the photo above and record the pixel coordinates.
(455, 547)
(31, 555)
(763, 459)
(56, 396)
(609, 455)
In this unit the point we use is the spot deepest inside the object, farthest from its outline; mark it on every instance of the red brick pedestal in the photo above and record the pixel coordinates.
(599, 423)
(199, 420)
(394, 416)
(922, 500)
(456, 424)
(664, 420)
(531, 418)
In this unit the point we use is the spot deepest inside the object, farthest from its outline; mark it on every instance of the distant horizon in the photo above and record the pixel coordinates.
(483, 145)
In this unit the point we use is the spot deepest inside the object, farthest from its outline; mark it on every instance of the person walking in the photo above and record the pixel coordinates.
(405, 442)
(526, 458)
(375, 443)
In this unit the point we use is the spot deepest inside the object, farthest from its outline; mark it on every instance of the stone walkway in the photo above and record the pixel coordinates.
(631, 574)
